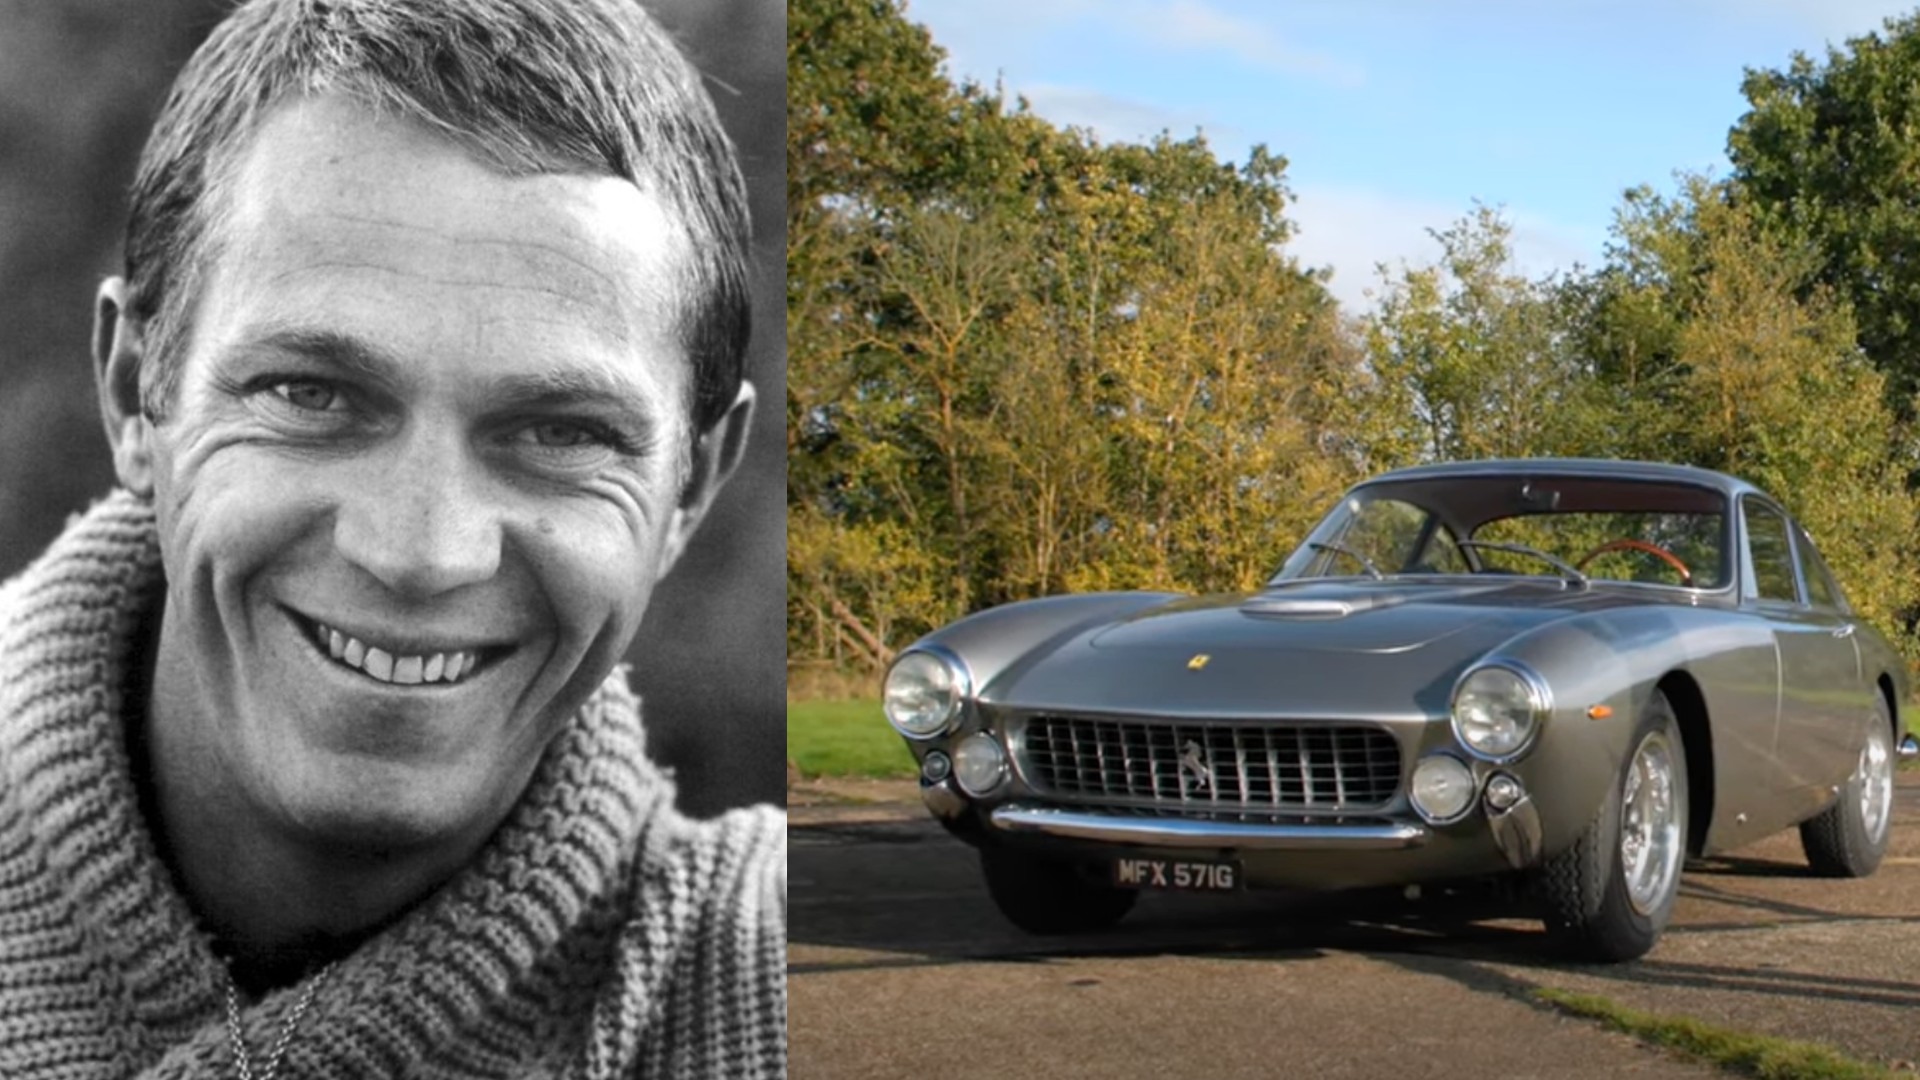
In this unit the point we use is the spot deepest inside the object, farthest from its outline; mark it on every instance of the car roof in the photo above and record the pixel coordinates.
(1597, 468)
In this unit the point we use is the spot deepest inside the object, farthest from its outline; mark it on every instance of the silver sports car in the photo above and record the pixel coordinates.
(1567, 674)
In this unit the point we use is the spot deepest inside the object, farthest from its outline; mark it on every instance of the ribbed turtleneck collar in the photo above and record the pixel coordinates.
(484, 951)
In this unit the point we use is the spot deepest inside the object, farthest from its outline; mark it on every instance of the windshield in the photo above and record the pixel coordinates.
(1600, 529)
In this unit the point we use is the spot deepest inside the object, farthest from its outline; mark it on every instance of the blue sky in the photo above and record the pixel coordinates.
(1396, 115)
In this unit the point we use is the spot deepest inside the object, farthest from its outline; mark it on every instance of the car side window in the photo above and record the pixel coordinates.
(1821, 589)
(1772, 554)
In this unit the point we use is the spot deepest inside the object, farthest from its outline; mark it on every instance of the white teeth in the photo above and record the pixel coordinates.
(388, 668)
(379, 664)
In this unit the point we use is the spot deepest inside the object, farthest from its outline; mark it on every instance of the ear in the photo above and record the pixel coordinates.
(118, 349)
(716, 453)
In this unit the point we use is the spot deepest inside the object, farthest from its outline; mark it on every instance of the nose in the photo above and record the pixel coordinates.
(419, 521)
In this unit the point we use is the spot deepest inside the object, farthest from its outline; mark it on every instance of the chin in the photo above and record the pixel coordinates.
(388, 815)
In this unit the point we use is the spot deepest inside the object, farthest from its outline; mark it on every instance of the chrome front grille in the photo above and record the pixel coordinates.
(1211, 767)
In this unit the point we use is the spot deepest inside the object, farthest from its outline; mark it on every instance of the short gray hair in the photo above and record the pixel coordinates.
(528, 86)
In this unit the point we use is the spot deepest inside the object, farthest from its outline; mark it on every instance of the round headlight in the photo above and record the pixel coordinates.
(979, 764)
(1442, 788)
(1496, 711)
(923, 694)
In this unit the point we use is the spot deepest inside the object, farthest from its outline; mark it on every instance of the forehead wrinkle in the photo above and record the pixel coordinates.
(291, 274)
(514, 248)
(596, 267)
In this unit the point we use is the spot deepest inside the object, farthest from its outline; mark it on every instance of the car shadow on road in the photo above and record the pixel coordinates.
(920, 903)
(908, 895)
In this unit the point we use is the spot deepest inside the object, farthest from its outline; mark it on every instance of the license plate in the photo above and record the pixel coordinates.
(1191, 875)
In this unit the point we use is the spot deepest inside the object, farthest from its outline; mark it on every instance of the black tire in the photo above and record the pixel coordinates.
(1840, 841)
(1583, 891)
(1044, 896)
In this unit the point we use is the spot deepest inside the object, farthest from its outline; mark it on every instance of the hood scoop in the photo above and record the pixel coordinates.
(1338, 602)
(1302, 607)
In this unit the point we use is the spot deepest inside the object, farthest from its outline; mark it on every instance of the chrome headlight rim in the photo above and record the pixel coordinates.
(962, 691)
(962, 756)
(1467, 805)
(1539, 703)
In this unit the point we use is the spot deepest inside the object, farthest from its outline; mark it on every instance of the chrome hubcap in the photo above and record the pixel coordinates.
(1650, 841)
(1876, 783)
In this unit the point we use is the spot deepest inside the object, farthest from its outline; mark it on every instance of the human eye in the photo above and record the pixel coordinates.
(307, 395)
(568, 442)
(301, 406)
(564, 434)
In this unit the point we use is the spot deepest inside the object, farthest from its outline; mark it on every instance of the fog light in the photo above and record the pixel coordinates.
(979, 764)
(1503, 791)
(936, 768)
(1442, 788)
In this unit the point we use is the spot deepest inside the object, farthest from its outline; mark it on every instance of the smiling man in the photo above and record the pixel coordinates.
(424, 369)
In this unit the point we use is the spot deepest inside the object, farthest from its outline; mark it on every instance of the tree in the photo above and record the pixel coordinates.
(1021, 361)
(1468, 357)
(1712, 336)
(1829, 154)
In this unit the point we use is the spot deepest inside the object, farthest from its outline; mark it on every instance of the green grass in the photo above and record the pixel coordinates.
(845, 738)
(1749, 1055)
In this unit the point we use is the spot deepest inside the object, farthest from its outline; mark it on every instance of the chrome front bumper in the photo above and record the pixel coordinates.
(1194, 833)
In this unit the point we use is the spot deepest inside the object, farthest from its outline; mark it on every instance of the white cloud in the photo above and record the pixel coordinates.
(1010, 28)
(1198, 26)
(1354, 231)
(1115, 119)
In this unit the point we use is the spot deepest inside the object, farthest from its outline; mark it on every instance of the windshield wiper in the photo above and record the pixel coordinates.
(1342, 549)
(1566, 571)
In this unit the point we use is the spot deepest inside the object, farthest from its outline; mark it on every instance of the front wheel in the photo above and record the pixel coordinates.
(1608, 897)
(1045, 896)
(1848, 838)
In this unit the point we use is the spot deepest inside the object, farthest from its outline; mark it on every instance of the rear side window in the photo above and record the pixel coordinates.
(1821, 589)
(1772, 553)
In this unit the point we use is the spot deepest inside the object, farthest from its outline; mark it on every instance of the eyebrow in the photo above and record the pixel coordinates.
(355, 355)
(571, 386)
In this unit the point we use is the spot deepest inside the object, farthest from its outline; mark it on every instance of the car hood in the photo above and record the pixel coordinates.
(1347, 649)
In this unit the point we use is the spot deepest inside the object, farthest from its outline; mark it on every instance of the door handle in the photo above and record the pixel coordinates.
(1843, 631)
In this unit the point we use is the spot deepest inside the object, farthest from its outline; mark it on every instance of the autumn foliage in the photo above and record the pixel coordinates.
(1025, 362)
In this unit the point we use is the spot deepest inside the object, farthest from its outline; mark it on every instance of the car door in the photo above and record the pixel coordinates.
(1843, 701)
(1819, 692)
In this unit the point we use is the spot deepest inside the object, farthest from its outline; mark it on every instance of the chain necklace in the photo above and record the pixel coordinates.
(240, 1059)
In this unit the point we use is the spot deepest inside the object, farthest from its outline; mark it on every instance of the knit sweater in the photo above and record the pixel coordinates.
(598, 934)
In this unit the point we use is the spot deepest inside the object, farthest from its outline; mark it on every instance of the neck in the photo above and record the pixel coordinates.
(279, 904)
(278, 908)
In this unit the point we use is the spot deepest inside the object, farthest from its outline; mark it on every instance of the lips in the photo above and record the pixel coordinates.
(388, 665)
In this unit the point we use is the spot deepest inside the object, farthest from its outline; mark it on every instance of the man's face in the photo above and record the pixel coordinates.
(423, 469)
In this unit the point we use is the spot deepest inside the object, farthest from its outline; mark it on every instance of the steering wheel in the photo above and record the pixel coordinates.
(1658, 552)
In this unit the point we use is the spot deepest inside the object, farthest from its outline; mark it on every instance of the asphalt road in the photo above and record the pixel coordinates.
(900, 967)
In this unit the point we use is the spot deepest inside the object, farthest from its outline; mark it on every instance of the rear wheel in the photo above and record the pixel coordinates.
(1046, 896)
(1608, 897)
(1848, 838)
